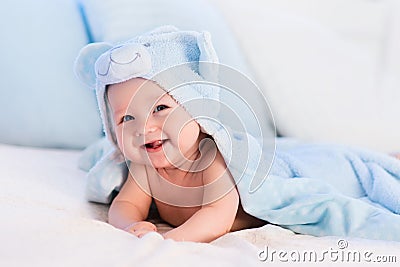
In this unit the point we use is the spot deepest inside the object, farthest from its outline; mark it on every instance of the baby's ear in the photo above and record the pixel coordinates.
(84, 63)
(209, 70)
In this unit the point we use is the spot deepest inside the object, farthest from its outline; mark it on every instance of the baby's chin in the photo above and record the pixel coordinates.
(154, 163)
(158, 163)
(157, 159)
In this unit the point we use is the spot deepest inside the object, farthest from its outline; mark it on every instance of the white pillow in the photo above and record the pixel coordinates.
(42, 103)
(320, 84)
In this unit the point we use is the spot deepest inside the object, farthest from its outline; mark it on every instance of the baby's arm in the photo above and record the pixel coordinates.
(130, 209)
(216, 218)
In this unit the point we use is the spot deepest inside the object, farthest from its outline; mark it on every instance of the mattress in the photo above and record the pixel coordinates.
(46, 221)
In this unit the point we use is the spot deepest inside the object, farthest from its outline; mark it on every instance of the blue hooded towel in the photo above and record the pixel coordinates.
(317, 189)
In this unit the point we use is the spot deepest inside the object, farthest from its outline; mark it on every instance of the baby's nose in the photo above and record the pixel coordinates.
(145, 130)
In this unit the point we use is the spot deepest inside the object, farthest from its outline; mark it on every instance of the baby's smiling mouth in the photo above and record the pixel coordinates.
(154, 146)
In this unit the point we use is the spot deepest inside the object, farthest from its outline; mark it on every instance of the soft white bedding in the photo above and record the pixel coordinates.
(46, 221)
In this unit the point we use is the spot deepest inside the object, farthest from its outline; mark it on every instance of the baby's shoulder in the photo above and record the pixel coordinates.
(216, 169)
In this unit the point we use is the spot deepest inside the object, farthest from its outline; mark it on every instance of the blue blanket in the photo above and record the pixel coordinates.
(325, 189)
(316, 189)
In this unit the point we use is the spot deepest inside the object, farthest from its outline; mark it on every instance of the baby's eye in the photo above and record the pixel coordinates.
(127, 118)
(160, 107)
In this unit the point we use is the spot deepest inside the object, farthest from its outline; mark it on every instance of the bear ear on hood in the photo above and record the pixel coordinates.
(208, 70)
(163, 29)
(84, 63)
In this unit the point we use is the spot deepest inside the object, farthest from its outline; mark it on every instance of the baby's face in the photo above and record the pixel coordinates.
(151, 128)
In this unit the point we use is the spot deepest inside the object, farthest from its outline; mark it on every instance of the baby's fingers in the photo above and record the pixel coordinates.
(144, 225)
(140, 226)
(140, 233)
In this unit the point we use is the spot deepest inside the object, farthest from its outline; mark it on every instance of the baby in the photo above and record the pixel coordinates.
(162, 141)
(172, 160)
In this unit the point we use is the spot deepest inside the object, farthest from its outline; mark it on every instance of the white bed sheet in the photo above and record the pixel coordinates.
(46, 221)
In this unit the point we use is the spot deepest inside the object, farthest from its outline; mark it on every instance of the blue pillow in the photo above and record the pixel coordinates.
(120, 20)
(42, 103)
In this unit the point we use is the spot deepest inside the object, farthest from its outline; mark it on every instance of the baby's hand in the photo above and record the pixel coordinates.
(141, 228)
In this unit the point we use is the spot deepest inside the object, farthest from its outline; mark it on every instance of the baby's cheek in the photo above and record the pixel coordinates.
(124, 144)
(188, 135)
(119, 140)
